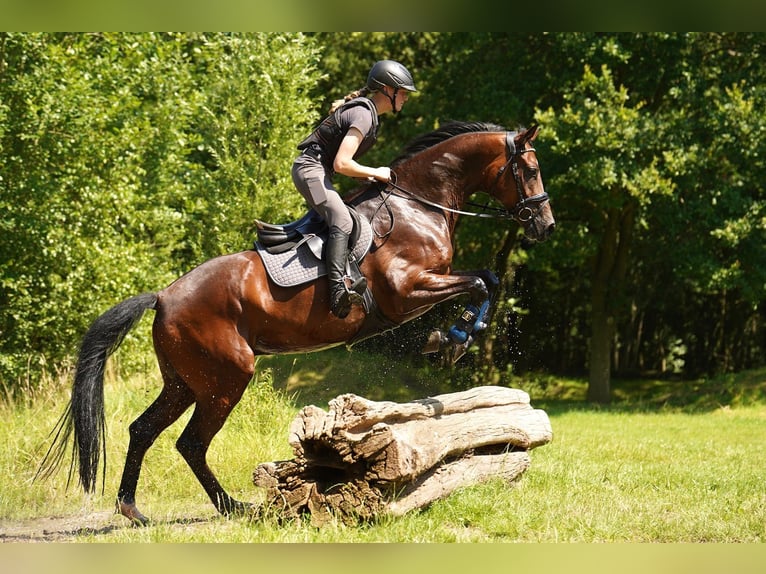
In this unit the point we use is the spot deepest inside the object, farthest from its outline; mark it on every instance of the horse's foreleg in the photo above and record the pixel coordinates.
(490, 285)
(473, 318)
(429, 289)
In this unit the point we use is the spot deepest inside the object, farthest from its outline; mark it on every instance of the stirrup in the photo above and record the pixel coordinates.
(358, 285)
(348, 296)
(340, 306)
(356, 290)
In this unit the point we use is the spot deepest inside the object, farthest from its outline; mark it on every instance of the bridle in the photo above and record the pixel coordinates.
(525, 209)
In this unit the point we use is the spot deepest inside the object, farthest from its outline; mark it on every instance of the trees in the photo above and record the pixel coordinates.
(128, 158)
(653, 194)
(611, 181)
(713, 234)
(650, 150)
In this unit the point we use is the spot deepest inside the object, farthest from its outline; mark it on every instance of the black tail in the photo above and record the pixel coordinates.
(85, 414)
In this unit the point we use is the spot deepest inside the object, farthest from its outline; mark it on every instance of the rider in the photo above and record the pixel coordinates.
(333, 147)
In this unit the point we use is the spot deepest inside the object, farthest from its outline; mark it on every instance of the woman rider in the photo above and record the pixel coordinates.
(333, 147)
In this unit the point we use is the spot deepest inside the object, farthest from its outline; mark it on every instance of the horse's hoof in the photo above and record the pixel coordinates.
(437, 340)
(241, 508)
(456, 352)
(131, 512)
(237, 508)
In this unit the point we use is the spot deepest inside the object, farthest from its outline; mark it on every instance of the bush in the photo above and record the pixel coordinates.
(125, 160)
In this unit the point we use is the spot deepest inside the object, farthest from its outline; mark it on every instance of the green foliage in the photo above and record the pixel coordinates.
(127, 159)
(610, 158)
(660, 137)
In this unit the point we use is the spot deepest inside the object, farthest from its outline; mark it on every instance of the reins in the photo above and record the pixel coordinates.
(524, 211)
(504, 214)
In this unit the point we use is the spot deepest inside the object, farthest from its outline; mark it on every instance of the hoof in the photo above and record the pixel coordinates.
(456, 352)
(437, 340)
(129, 511)
(236, 508)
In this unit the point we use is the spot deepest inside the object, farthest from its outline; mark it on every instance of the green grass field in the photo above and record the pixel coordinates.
(666, 462)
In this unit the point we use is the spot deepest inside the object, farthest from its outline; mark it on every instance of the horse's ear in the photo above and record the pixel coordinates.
(531, 133)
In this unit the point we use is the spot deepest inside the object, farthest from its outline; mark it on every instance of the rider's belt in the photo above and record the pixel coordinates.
(314, 151)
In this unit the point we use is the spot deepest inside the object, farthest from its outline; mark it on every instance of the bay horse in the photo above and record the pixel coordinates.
(212, 322)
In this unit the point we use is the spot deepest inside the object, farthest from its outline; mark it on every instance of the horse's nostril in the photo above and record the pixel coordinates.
(549, 231)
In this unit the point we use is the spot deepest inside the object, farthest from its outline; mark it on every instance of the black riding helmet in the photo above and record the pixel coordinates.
(392, 74)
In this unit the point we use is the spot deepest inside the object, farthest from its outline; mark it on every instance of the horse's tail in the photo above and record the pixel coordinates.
(85, 414)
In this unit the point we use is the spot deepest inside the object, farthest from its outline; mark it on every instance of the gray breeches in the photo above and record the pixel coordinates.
(311, 180)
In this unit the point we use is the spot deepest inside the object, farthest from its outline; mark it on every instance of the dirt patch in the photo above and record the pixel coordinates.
(73, 528)
(59, 528)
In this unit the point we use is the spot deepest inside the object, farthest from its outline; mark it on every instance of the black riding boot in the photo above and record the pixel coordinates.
(342, 296)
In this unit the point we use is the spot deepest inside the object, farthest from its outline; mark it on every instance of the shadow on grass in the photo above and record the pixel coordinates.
(654, 395)
(73, 528)
(316, 378)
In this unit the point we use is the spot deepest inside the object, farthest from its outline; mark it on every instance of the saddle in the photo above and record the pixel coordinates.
(293, 253)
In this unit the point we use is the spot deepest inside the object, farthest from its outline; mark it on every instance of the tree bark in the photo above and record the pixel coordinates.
(610, 268)
(364, 458)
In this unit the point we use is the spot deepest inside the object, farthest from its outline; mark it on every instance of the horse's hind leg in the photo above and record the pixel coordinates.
(207, 419)
(173, 400)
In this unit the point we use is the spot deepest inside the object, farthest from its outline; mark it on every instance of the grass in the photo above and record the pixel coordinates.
(666, 462)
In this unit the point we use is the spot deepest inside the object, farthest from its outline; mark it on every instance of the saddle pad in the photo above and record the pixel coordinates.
(300, 265)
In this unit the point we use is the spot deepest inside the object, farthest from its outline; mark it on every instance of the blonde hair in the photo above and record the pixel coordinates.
(350, 96)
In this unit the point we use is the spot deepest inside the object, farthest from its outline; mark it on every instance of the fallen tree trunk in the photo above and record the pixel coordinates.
(363, 458)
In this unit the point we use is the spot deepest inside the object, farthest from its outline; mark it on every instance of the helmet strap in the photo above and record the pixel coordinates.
(393, 101)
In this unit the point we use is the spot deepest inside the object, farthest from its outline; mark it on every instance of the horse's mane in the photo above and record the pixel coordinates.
(444, 132)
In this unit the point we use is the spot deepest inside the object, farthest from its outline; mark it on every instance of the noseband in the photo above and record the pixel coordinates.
(524, 211)
(527, 207)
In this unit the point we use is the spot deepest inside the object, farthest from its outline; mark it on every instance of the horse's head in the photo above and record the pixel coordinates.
(518, 185)
(435, 167)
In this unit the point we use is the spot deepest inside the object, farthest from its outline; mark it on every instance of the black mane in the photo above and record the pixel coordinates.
(446, 131)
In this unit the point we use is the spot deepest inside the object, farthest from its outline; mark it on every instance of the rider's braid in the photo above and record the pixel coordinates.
(350, 96)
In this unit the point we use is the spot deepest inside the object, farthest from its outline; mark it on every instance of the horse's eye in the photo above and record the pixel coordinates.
(530, 173)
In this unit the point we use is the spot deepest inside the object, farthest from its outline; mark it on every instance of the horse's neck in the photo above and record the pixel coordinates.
(394, 211)
(450, 173)
(445, 175)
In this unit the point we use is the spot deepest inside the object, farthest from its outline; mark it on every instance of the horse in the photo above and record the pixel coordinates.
(211, 323)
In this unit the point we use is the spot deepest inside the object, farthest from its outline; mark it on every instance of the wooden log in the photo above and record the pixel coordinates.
(445, 479)
(361, 458)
